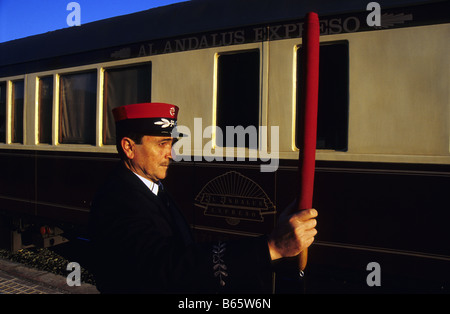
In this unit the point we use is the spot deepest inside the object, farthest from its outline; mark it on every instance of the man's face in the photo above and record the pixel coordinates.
(151, 159)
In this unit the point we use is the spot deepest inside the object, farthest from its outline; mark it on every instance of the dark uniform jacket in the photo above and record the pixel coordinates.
(142, 244)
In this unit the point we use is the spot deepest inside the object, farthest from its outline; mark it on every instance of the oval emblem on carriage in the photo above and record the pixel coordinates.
(234, 197)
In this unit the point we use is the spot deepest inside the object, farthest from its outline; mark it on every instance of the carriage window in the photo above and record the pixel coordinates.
(332, 120)
(2, 112)
(45, 109)
(77, 108)
(18, 89)
(238, 94)
(124, 86)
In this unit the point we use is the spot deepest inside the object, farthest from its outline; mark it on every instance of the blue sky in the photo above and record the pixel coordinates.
(22, 18)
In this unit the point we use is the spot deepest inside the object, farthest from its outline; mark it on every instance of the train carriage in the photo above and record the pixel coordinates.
(383, 143)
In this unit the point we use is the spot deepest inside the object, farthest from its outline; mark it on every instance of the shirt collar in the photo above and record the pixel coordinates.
(154, 187)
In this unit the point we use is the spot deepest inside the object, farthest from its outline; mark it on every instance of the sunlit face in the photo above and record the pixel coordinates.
(151, 158)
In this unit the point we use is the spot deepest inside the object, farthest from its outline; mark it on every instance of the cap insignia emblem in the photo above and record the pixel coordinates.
(164, 123)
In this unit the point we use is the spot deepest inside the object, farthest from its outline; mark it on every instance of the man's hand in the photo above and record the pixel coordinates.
(294, 233)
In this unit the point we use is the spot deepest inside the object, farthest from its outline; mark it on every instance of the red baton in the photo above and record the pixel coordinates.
(310, 95)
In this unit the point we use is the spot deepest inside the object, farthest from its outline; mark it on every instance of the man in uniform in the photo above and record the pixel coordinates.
(143, 244)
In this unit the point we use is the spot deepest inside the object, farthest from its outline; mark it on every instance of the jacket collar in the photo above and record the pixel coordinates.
(132, 179)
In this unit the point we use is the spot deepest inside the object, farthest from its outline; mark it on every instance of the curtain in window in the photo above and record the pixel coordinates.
(77, 108)
(17, 111)
(45, 109)
(2, 112)
(123, 86)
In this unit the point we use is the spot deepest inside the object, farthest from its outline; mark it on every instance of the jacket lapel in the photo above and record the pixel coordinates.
(165, 204)
(132, 180)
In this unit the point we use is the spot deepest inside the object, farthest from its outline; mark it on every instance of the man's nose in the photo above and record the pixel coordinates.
(170, 152)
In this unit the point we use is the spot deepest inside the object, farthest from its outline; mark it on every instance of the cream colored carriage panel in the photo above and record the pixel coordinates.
(399, 84)
(281, 94)
(186, 80)
(399, 91)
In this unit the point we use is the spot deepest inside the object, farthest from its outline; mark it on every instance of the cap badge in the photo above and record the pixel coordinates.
(172, 111)
(164, 123)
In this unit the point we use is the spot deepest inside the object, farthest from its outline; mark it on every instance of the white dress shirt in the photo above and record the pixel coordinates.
(154, 187)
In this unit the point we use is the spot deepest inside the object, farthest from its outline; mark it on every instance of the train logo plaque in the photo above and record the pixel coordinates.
(234, 197)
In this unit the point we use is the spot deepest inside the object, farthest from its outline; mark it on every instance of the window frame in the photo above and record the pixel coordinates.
(104, 92)
(39, 107)
(343, 147)
(92, 139)
(4, 140)
(31, 121)
(261, 100)
(9, 81)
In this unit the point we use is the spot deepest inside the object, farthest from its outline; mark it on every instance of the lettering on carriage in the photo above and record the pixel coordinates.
(205, 41)
(234, 197)
(256, 34)
(328, 26)
(277, 32)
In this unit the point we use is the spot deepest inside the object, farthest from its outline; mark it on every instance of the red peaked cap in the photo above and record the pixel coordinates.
(146, 110)
(147, 118)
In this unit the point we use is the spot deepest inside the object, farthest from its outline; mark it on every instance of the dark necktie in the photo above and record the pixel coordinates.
(163, 196)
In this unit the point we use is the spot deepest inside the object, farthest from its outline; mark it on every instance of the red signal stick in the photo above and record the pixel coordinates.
(310, 95)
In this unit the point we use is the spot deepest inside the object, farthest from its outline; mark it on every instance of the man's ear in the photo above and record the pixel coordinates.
(128, 147)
